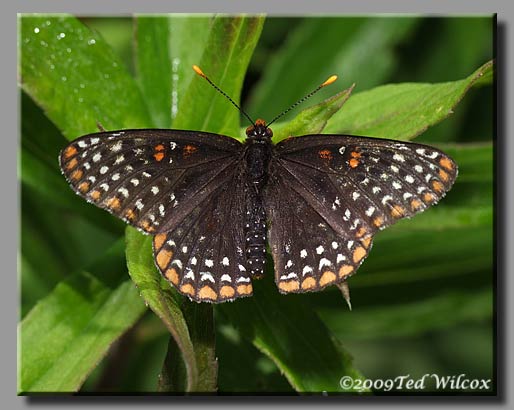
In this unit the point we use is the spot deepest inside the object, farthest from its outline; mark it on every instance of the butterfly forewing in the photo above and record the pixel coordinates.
(151, 179)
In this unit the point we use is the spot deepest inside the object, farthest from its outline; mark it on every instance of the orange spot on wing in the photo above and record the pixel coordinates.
(188, 150)
(360, 232)
(113, 203)
(428, 197)
(163, 258)
(355, 154)
(84, 187)
(397, 211)
(159, 156)
(444, 175)
(309, 283)
(327, 278)
(207, 292)
(130, 214)
(358, 254)
(158, 240)
(70, 151)
(366, 241)
(289, 286)
(77, 174)
(378, 221)
(439, 187)
(187, 289)
(446, 163)
(227, 291)
(345, 270)
(353, 162)
(172, 276)
(325, 154)
(72, 164)
(245, 289)
(415, 204)
(159, 147)
(95, 195)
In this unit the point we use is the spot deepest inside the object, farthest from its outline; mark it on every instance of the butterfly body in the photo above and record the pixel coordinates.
(212, 203)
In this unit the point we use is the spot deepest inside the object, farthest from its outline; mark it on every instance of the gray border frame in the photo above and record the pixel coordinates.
(504, 171)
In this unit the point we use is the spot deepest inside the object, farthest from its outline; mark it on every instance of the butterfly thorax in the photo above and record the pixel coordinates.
(258, 154)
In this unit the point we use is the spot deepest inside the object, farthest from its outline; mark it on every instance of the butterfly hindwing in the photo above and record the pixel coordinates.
(150, 178)
(203, 256)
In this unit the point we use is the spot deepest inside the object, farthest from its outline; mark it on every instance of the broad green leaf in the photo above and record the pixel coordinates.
(360, 50)
(153, 65)
(405, 319)
(286, 329)
(70, 330)
(311, 120)
(76, 78)
(228, 50)
(401, 111)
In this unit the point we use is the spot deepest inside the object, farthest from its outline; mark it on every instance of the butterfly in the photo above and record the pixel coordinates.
(212, 203)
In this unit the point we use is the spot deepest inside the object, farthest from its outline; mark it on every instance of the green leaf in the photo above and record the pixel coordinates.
(287, 330)
(69, 331)
(312, 120)
(359, 50)
(153, 64)
(227, 53)
(387, 321)
(76, 78)
(402, 111)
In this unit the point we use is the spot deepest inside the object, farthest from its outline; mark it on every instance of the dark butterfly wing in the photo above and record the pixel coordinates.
(331, 193)
(203, 256)
(152, 179)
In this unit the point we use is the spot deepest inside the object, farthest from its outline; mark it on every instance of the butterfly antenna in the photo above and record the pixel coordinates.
(329, 81)
(201, 74)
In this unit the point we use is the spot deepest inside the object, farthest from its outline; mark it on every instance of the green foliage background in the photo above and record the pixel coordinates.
(423, 300)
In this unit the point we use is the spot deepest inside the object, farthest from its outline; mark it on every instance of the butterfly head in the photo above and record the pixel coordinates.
(259, 131)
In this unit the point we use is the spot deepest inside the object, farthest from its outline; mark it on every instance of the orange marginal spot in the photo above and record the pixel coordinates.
(366, 241)
(159, 156)
(113, 203)
(159, 147)
(355, 154)
(443, 175)
(72, 164)
(163, 258)
(70, 151)
(446, 163)
(289, 286)
(130, 214)
(77, 174)
(227, 291)
(158, 240)
(207, 293)
(187, 289)
(188, 150)
(353, 163)
(415, 204)
(397, 211)
(245, 289)
(327, 277)
(345, 270)
(437, 186)
(309, 283)
(361, 232)
(378, 221)
(172, 275)
(95, 194)
(358, 254)
(428, 197)
(84, 187)
(325, 154)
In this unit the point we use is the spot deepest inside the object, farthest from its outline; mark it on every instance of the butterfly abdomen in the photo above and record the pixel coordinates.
(257, 157)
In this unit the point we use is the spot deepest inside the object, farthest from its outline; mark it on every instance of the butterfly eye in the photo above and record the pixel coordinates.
(250, 130)
(269, 132)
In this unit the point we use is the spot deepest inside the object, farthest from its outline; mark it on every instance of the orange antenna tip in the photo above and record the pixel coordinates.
(329, 81)
(198, 71)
